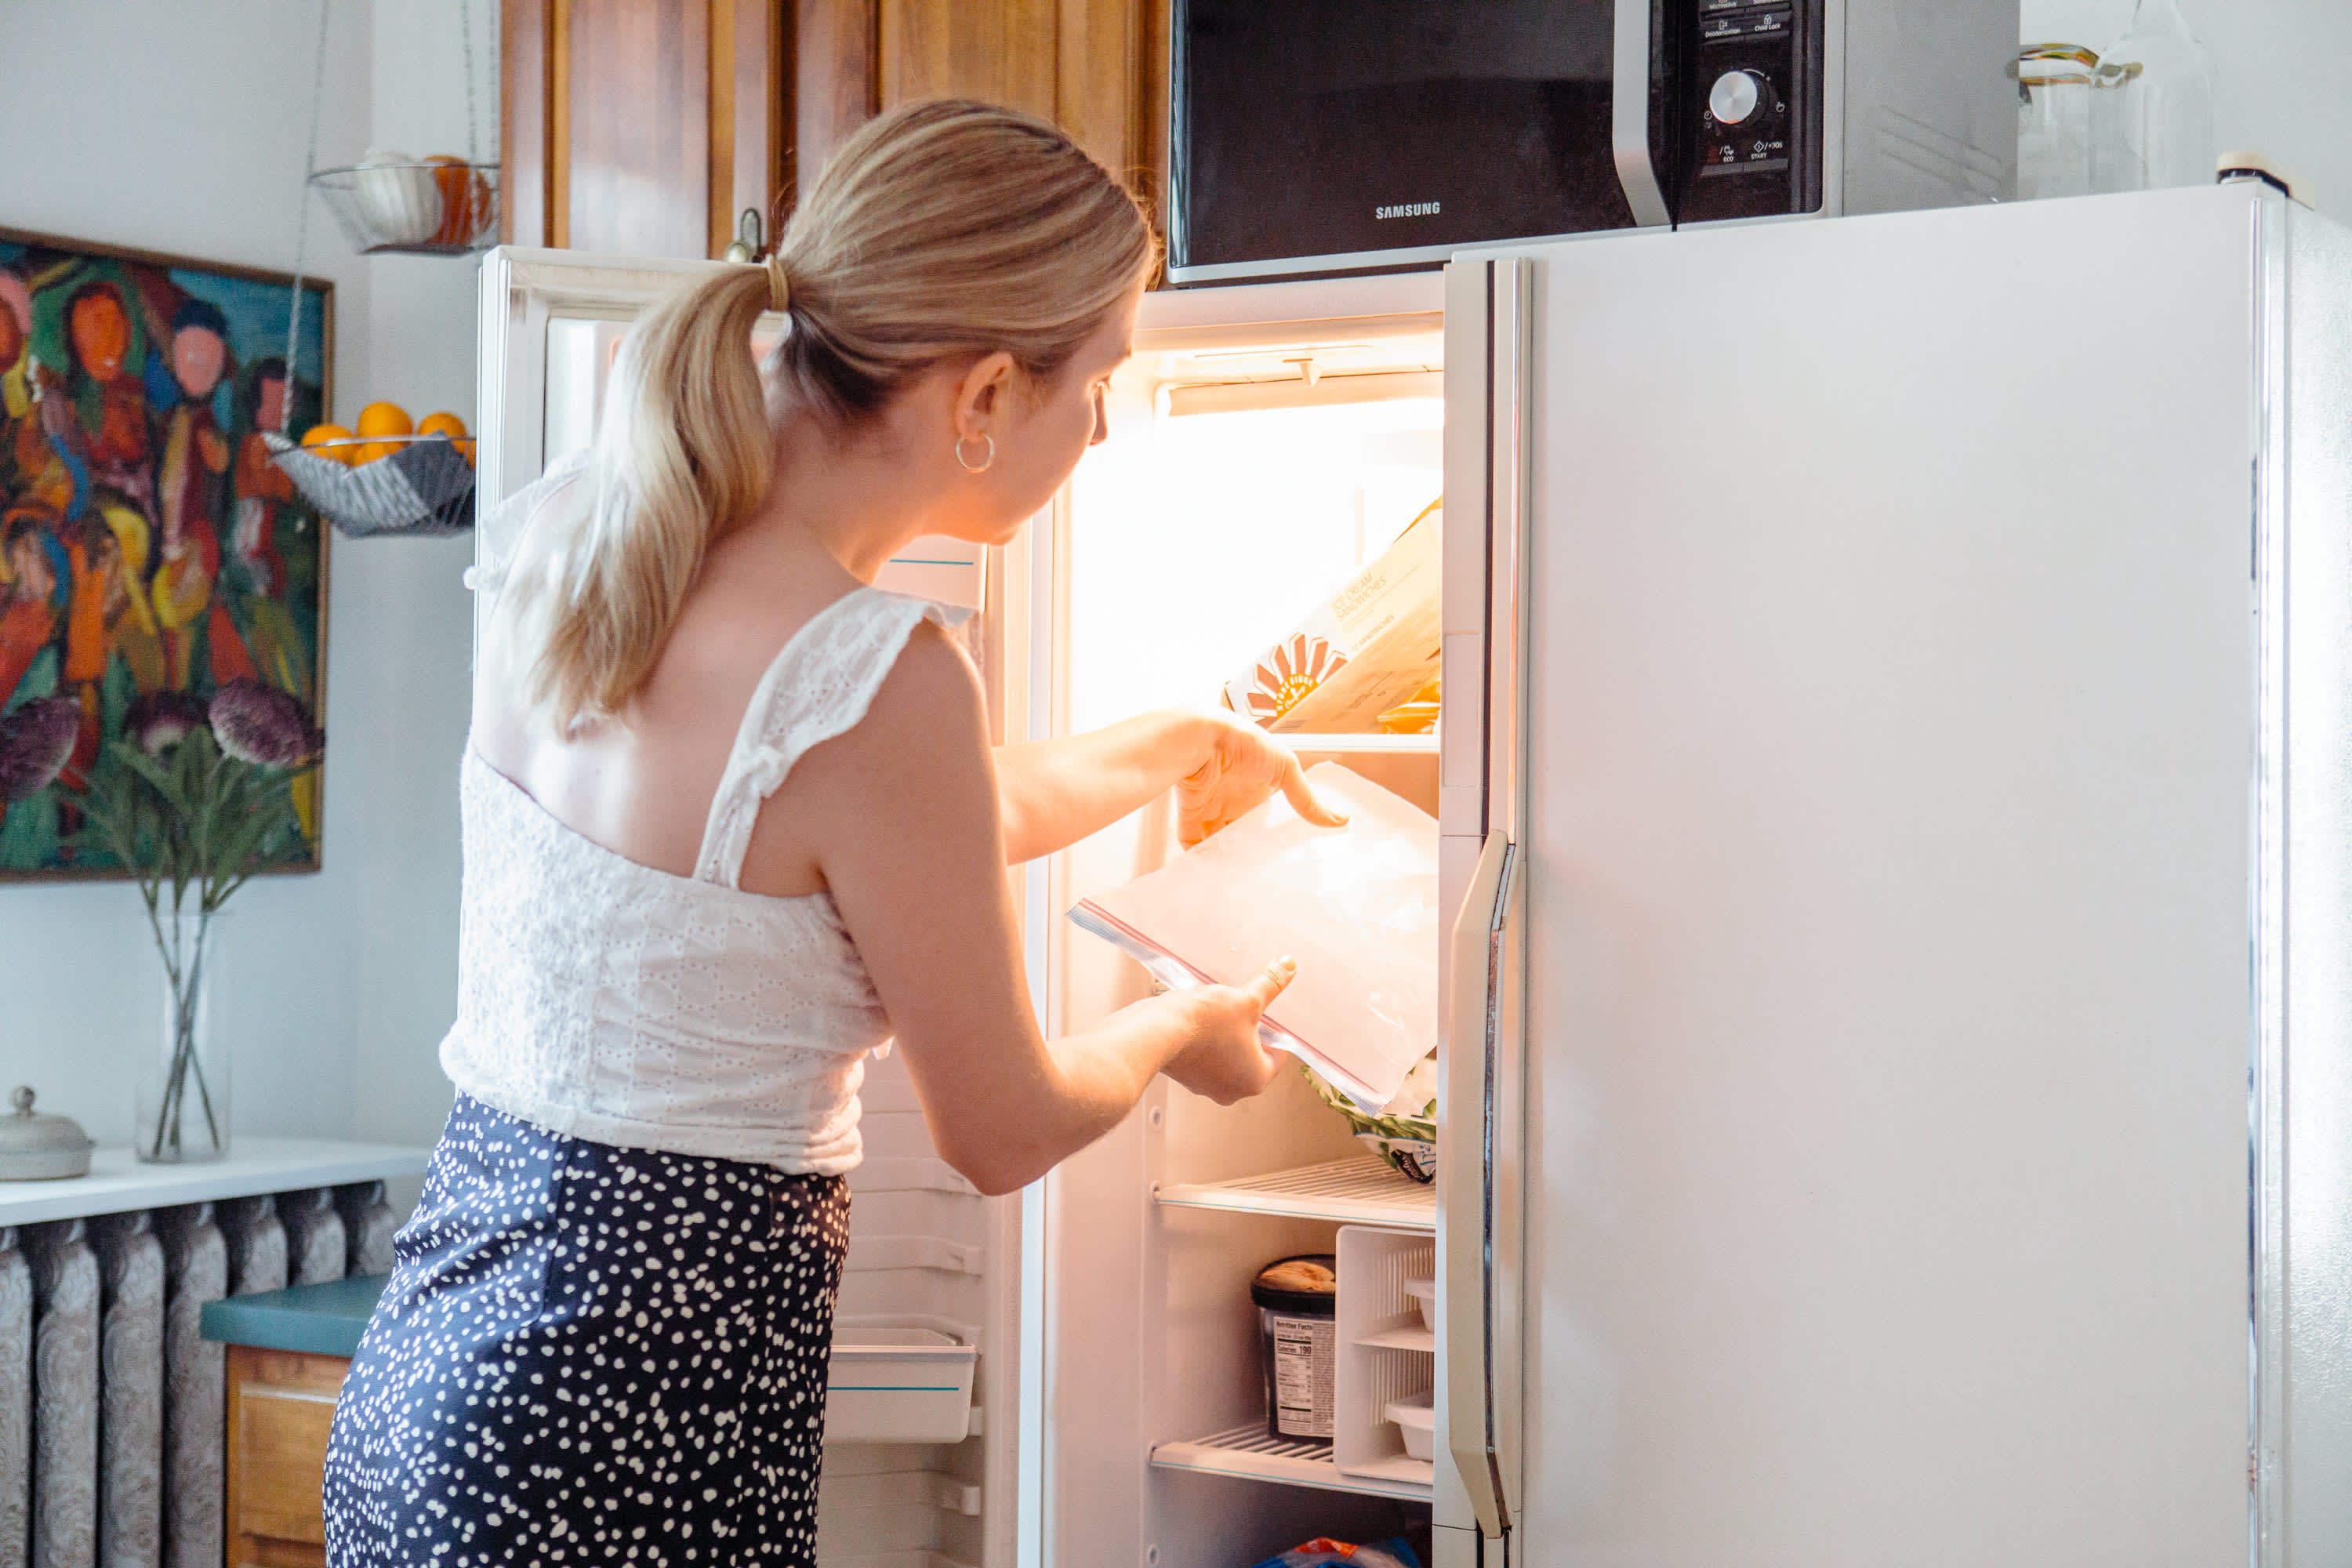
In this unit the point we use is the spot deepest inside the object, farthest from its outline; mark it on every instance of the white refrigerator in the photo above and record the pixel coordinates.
(1896, 796)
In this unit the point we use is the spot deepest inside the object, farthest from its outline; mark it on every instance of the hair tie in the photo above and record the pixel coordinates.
(780, 288)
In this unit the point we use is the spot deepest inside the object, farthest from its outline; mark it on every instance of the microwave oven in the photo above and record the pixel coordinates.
(1318, 136)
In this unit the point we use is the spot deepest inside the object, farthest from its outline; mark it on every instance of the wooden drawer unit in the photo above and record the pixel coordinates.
(280, 1405)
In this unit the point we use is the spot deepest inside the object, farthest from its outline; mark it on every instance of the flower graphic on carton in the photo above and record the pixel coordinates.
(1296, 667)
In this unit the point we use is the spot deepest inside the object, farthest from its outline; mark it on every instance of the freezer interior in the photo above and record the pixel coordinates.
(1252, 469)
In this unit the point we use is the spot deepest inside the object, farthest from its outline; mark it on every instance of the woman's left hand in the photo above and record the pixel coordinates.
(1245, 766)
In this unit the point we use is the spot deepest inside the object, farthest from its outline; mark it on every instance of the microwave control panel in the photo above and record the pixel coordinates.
(1751, 140)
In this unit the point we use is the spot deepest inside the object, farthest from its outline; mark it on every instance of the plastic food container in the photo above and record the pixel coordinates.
(897, 1385)
(1298, 1330)
(1357, 906)
(1424, 1296)
(1418, 1422)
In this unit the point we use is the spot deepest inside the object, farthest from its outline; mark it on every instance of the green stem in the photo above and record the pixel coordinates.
(188, 1036)
(204, 1098)
(186, 973)
(165, 1122)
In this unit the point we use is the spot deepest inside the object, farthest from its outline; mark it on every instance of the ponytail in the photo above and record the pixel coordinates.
(684, 453)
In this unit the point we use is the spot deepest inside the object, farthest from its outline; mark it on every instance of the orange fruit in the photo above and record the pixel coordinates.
(319, 433)
(448, 425)
(454, 182)
(380, 420)
(467, 204)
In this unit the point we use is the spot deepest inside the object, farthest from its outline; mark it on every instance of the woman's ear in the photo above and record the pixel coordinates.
(980, 401)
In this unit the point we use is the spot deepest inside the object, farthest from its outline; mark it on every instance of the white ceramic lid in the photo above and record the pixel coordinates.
(37, 1146)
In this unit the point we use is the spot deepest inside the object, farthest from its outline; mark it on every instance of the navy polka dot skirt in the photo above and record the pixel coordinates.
(589, 1354)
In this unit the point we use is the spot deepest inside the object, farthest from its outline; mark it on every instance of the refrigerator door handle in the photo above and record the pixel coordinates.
(1466, 1190)
(1629, 115)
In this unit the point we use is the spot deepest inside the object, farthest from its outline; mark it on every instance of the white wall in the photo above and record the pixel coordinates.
(418, 621)
(182, 128)
(2279, 69)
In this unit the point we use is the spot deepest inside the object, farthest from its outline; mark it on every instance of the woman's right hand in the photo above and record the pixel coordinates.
(1222, 1058)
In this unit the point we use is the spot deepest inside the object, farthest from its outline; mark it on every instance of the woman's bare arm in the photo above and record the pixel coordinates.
(1051, 794)
(906, 808)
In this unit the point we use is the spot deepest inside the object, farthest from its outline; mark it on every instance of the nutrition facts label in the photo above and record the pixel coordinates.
(1305, 1351)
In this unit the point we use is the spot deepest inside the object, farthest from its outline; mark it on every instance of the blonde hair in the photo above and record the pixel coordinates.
(940, 229)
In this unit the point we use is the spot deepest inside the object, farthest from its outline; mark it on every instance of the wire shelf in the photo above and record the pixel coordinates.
(432, 207)
(1360, 1191)
(423, 489)
(1249, 1453)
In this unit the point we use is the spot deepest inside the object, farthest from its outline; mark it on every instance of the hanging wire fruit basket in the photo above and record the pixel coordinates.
(423, 489)
(429, 206)
(410, 485)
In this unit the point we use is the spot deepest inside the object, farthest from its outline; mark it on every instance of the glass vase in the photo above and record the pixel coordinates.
(2153, 105)
(182, 1115)
(2054, 83)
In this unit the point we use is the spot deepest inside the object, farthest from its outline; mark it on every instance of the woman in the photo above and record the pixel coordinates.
(731, 822)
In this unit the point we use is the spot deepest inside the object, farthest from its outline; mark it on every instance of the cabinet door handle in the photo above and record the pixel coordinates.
(1465, 1174)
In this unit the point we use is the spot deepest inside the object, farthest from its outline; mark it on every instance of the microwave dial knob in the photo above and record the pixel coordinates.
(1739, 97)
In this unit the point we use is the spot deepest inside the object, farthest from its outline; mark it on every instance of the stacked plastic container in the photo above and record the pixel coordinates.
(1382, 1425)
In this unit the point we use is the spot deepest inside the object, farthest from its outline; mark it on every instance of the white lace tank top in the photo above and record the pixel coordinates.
(606, 1000)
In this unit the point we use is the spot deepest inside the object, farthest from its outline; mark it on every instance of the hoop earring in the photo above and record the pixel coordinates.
(985, 463)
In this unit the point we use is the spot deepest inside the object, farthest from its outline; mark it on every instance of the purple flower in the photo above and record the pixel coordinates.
(34, 741)
(162, 719)
(258, 723)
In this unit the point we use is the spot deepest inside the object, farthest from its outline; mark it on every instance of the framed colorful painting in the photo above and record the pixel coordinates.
(150, 553)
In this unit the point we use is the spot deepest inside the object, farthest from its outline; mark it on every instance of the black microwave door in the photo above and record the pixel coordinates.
(1314, 128)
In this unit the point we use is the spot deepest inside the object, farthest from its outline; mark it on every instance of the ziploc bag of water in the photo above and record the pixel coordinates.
(1356, 906)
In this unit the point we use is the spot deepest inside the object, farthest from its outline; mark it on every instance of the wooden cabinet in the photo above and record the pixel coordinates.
(1095, 68)
(642, 127)
(281, 1406)
(646, 126)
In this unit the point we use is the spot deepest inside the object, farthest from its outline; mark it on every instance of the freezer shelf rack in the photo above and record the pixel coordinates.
(1361, 1191)
(1249, 1453)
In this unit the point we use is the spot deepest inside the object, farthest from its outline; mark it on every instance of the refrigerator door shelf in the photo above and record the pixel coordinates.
(1387, 1356)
